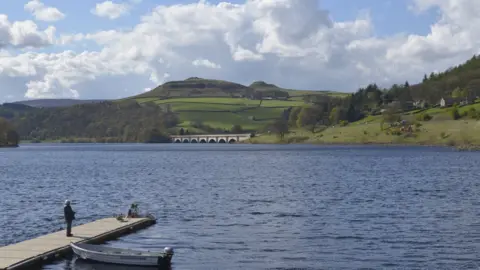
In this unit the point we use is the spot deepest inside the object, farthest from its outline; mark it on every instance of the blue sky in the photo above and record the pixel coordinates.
(389, 16)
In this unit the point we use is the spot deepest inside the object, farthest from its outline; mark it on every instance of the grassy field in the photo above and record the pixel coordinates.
(441, 130)
(223, 112)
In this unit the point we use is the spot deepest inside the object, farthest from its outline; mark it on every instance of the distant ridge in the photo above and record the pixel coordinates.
(52, 103)
(198, 87)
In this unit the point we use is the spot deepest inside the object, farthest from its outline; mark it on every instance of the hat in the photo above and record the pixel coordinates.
(67, 202)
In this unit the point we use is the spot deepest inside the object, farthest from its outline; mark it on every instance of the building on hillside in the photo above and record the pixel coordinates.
(449, 101)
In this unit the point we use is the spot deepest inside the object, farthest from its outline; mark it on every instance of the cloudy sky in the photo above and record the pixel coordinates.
(112, 49)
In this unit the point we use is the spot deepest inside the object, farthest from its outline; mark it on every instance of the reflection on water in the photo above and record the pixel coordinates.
(257, 207)
(79, 264)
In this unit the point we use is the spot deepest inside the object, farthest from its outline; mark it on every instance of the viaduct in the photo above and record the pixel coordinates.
(210, 138)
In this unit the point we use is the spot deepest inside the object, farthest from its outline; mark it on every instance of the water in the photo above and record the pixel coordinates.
(257, 207)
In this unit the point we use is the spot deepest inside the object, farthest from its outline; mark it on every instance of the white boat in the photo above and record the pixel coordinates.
(122, 256)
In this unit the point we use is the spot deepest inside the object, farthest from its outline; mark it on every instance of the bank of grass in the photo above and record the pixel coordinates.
(456, 133)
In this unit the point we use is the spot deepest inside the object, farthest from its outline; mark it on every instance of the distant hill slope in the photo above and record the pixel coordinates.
(11, 110)
(293, 94)
(52, 103)
(198, 87)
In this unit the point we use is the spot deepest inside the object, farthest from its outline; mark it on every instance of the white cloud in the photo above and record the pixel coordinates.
(42, 12)
(205, 63)
(111, 10)
(24, 34)
(287, 42)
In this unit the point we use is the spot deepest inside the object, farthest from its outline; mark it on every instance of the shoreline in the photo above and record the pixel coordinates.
(473, 147)
(459, 147)
(9, 146)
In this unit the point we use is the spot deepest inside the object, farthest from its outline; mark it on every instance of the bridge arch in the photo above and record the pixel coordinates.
(210, 138)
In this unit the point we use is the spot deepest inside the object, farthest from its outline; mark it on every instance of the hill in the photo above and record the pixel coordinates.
(198, 87)
(51, 103)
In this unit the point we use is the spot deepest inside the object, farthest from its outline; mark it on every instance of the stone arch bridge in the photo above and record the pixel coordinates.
(210, 138)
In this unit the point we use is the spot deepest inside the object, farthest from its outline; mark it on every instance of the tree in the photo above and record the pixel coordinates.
(391, 113)
(236, 129)
(353, 114)
(181, 132)
(8, 136)
(12, 137)
(460, 93)
(280, 127)
(474, 87)
(336, 115)
(293, 117)
(309, 118)
(454, 113)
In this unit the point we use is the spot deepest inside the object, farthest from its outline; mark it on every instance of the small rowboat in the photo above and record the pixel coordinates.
(122, 256)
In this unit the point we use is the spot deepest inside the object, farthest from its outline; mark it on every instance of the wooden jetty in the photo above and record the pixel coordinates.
(34, 252)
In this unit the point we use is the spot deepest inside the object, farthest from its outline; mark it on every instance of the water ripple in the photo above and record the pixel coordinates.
(257, 207)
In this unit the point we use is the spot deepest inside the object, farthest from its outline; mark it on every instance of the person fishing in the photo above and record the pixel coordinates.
(69, 215)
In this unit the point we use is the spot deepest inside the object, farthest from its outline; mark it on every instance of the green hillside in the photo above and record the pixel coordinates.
(205, 105)
(223, 112)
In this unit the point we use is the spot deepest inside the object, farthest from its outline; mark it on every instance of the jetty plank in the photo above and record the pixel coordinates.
(48, 247)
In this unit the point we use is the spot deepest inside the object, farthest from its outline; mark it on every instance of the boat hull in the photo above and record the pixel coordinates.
(122, 259)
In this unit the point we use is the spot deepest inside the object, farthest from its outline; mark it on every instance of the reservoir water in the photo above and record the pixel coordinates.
(257, 206)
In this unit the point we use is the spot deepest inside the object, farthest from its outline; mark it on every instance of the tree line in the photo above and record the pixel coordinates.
(125, 121)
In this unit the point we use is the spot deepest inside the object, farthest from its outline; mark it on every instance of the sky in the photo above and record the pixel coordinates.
(95, 49)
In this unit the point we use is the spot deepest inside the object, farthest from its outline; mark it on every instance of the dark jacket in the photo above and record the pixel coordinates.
(68, 213)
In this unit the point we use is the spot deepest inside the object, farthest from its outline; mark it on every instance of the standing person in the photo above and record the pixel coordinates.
(69, 217)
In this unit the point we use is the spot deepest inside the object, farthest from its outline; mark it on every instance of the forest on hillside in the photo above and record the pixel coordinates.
(125, 121)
